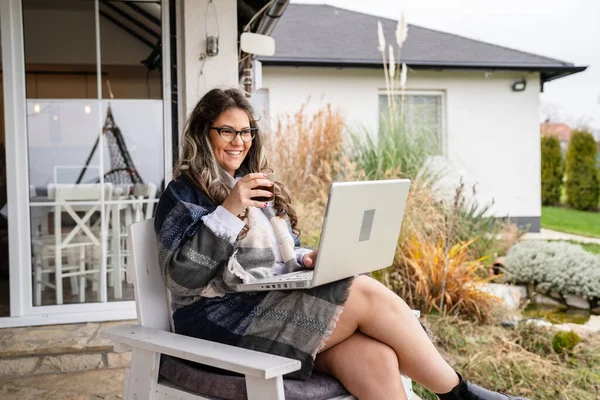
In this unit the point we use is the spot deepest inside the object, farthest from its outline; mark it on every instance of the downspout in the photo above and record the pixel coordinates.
(266, 26)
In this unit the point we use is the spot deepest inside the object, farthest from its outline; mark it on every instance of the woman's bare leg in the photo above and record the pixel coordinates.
(379, 313)
(365, 366)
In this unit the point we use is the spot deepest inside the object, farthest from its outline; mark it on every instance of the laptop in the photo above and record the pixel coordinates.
(359, 235)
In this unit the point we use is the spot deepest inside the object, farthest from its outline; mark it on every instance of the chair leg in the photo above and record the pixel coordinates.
(38, 281)
(142, 376)
(71, 262)
(265, 389)
(82, 276)
(116, 250)
(58, 275)
(96, 258)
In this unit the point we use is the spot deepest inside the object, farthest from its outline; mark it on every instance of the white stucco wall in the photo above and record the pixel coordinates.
(199, 76)
(491, 133)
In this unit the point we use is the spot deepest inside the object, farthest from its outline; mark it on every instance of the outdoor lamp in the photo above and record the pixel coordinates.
(212, 40)
(520, 85)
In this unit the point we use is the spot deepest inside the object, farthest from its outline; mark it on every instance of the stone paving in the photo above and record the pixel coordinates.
(548, 234)
(60, 362)
(104, 384)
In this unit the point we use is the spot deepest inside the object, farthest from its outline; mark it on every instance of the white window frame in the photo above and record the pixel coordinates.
(443, 136)
(22, 311)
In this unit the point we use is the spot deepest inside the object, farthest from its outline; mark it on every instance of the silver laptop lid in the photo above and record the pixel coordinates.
(361, 228)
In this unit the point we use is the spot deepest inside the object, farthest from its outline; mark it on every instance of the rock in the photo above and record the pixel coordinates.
(104, 384)
(119, 360)
(509, 324)
(70, 362)
(13, 347)
(63, 345)
(577, 302)
(594, 322)
(537, 322)
(547, 301)
(511, 295)
(581, 330)
(18, 366)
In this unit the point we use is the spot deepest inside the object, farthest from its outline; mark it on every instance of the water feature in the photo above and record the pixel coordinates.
(558, 315)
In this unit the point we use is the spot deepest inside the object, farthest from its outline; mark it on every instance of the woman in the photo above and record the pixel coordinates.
(214, 234)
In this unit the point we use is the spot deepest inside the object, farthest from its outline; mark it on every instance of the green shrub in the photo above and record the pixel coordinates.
(397, 150)
(472, 221)
(559, 266)
(582, 185)
(552, 171)
(564, 342)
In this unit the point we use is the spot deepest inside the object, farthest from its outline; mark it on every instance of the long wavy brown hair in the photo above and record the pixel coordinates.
(199, 164)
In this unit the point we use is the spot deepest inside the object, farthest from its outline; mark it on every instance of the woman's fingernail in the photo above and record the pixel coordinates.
(264, 175)
(270, 194)
(266, 204)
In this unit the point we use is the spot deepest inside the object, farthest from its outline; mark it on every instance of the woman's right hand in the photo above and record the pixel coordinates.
(241, 195)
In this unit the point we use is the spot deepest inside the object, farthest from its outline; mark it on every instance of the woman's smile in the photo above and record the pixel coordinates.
(230, 155)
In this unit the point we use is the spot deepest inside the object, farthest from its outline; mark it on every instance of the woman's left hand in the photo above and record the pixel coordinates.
(310, 259)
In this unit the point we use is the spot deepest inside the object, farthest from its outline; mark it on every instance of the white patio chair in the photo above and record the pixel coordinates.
(69, 198)
(157, 353)
(143, 195)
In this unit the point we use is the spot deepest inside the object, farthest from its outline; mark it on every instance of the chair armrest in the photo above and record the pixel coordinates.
(231, 358)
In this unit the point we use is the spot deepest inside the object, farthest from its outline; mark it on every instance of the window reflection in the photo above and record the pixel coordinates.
(81, 192)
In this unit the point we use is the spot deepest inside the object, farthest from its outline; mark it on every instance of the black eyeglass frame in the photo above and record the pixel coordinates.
(222, 128)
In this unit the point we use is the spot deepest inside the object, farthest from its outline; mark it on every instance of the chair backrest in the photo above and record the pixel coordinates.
(79, 192)
(67, 198)
(145, 193)
(149, 288)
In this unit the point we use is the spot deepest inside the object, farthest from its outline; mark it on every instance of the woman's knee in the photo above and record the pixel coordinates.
(381, 373)
(371, 295)
(368, 368)
(381, 362)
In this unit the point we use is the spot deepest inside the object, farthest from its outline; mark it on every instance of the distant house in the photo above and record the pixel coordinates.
(467, 90)
(561, 131)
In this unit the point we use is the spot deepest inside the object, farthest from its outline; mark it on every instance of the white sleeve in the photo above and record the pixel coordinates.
(224, 224)
(300, 253)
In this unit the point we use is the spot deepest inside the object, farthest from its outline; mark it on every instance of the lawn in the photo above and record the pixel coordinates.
(585, 223)
(591, 247)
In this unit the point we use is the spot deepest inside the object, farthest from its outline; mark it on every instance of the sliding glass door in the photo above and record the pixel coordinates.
(96, 133)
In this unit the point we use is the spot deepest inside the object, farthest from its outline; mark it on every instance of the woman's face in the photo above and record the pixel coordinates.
(230, 155)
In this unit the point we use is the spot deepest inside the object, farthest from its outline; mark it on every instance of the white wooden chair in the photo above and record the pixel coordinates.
(151, 339)
(69, 198)
(143, 195)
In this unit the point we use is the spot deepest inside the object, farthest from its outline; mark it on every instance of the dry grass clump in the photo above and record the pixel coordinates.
(425, 271)
(306, 153)
(518, 361)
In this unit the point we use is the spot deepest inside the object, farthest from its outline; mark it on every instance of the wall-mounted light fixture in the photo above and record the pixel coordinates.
(520, 85)
(212, 38)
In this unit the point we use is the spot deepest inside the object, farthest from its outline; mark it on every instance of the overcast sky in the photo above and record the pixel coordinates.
(568, 30)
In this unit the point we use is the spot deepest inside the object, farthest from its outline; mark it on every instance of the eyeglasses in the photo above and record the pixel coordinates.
(229, 134)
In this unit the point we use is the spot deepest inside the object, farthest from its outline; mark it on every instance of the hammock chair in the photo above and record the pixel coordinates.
(122, 171)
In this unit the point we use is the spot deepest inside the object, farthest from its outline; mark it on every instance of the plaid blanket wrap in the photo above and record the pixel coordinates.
(200, 269)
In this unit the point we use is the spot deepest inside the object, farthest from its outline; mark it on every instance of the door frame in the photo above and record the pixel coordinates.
(22, 311)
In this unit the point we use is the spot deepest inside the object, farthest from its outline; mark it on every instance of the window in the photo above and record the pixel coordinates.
(423, 112)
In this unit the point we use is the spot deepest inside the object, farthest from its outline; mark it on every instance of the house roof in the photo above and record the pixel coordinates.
(561, 131)
(323, 35)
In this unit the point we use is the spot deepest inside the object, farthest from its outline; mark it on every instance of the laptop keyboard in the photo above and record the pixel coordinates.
(301, 276)
(293, 276)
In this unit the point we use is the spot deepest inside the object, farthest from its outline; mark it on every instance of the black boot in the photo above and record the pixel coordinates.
(465, 390)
